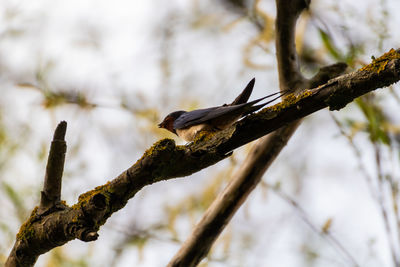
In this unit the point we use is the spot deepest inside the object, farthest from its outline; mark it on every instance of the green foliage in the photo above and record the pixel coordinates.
(329, 45)
(59, 257)
(349, 57)
(377, 121)
(17, 199)
(52, 99)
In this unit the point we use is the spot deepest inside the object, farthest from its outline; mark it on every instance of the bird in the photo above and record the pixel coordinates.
(187, 124)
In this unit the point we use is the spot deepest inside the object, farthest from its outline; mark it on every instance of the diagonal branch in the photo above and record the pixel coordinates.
(218, 215)
(43, 232)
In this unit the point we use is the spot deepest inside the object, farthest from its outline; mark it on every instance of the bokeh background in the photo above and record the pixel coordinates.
(114, 69)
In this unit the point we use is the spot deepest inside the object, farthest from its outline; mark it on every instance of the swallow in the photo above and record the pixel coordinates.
(186, 124)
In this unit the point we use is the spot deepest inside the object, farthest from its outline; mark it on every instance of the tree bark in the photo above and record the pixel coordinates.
(218, 215)
(164, 161)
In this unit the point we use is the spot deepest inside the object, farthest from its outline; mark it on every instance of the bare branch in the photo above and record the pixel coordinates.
(290, 77)
(51, 193)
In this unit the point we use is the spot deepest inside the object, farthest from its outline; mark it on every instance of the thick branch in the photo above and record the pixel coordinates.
(165, 160)
(288, 65)
(335, 94)
(218, 215)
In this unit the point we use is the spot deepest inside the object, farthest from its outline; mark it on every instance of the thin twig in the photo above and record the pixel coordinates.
(376, 192)
(381, 203)
(304, 216)
(358, 155)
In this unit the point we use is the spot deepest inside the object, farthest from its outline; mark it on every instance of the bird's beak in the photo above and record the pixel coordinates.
(160, 125)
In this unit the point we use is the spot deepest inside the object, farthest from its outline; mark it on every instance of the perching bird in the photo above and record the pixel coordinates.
(186, 124)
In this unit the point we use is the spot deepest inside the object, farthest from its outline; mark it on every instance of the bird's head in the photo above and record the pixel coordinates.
(168, 122)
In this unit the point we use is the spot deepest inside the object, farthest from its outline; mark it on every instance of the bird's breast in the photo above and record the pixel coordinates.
(188, 134)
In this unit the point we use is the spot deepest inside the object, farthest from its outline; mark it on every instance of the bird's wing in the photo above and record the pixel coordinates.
(199, 116)
(202, 115)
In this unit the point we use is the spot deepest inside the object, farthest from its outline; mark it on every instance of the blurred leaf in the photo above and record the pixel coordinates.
(266, 36)
(27, 86)
(55, 99)
(139, 238)
(172, 215)
(375, 117)
(42, 153)
(355, 127)
(355, 50)
(139, 241)
(327, 225)
(310, 254)
(59, 258)
(150, 114)
(236, 5)
(16, 199)
(9, 232)
(329, 45)
(350, 57)
(227, 240)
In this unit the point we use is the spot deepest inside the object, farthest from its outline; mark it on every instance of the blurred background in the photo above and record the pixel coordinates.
(114, 69)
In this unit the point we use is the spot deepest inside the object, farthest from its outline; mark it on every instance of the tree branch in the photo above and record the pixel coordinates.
(23, 253)
(335, 94)
(51, 193)
(218, 215)
(288, 64)
(42, 232)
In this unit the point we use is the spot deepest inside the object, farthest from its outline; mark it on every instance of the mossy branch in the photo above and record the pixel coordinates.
(261, 156)
(165, 160)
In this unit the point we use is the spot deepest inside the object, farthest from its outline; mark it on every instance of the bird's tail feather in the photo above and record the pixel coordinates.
(257, 107)
(245, 95)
